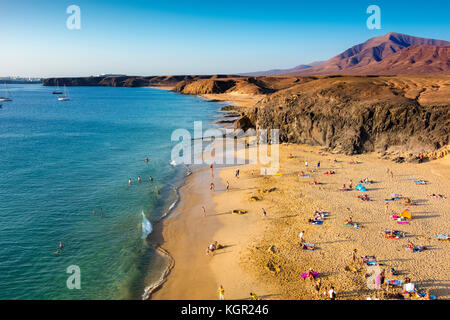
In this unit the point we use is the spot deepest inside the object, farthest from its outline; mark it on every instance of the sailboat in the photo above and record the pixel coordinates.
(6, 97)
(57, 91)
(65, 97)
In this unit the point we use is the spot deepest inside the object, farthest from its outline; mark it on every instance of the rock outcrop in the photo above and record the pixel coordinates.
(356, 114)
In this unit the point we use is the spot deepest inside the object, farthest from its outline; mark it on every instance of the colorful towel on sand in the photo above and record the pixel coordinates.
(305, 275)
(442, 237)
(317, 222)
(354, 225)
(395, 282)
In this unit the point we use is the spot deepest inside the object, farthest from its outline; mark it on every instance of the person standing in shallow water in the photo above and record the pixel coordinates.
(129, 181)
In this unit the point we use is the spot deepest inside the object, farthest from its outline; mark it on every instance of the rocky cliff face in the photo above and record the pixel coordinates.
(356, 114)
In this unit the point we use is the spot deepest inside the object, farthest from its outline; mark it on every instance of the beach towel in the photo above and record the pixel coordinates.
(317, 222)
(442, 237)
(354, 225)
(395, 282)
(305, 275)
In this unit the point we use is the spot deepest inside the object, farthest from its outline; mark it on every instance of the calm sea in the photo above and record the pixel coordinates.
(59, 161)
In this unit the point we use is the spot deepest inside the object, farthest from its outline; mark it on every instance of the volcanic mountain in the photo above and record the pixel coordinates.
(371, 57)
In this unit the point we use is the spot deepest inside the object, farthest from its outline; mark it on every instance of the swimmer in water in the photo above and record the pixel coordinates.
(129, 181)
(150, 178)
(139, 179)
(61, 245)
(146, 159)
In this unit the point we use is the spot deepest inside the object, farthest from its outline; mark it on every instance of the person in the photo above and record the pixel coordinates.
(228, 186)
(252, 172)
(146, 159)
(317, 286)
(349, 220)
(311, 274)
(212, 187)
(61, 246)
(221, 293)
(301, 236)
(332, 293)
(129, 181)
(343, 187)
(94, 211)
(212, 170)
(391, 174)
(306, 164)
(301, 174)
(237, 173)
(351, 185)
(318, 165)
(264, 212)
(150, 178)
(253, 296)
(139, 179)
(354, 255)
(204, 211)
(386, 208)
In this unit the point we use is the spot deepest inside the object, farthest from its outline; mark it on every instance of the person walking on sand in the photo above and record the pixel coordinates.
(332, 293)
(391, 174)
(317, 286)
(204, 211)
(253, 296)
(264, 212)
(237, 173)
(212, 187)
(318, 165)
(221, 293)
(386, 208)
(212, 170)
(354, 255)
(301, 236)
(306, 164)
(228, 186)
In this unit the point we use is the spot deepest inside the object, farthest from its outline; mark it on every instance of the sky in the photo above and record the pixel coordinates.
(138, 37)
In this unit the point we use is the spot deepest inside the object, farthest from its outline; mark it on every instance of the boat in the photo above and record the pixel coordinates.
(6, 97)
(57, 91)
(65, 97)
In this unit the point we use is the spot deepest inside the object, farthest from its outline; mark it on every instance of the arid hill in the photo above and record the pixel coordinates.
(359, 114)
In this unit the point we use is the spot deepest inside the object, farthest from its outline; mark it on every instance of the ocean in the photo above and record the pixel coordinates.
(60, 160)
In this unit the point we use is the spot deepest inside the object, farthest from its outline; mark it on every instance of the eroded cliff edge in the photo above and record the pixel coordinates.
(404, 115)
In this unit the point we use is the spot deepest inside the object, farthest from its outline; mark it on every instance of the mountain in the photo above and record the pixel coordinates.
(275, 72)
(369, 57)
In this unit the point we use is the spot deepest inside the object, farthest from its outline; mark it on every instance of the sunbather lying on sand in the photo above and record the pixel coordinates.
(329, 172)
(366, 180)
(437, 196)
(307, 246)
(363, 197)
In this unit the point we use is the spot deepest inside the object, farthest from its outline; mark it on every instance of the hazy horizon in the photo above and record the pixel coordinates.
(146, 38)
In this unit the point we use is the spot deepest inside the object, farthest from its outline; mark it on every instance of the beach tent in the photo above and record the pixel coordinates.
(360, 187)
(406, 214)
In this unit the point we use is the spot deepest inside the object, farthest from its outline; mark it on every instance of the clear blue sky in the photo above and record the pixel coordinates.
(196, 37)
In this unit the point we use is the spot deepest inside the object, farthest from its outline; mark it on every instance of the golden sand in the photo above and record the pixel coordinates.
(262, 255)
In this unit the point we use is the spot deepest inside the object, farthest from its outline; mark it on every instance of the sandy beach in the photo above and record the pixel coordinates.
(262, 255)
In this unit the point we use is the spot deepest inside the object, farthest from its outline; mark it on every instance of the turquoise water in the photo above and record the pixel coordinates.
(59, 161)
